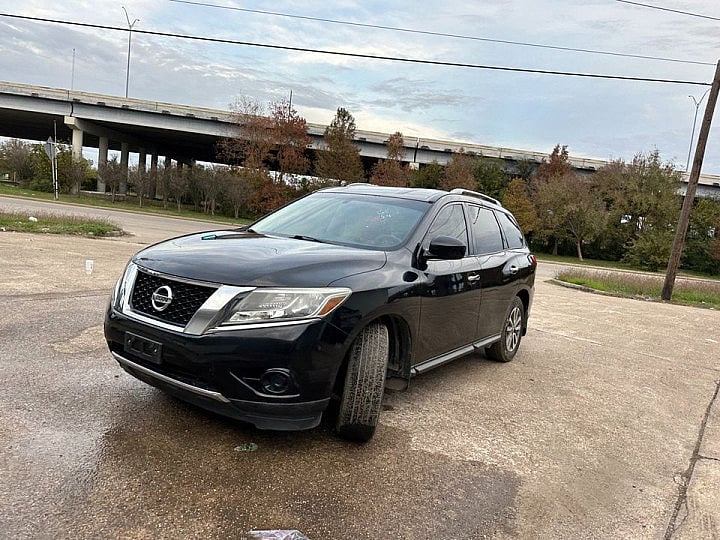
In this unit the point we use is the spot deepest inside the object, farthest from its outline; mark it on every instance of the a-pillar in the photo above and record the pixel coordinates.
(124, 158)
(102, 161)
(153, 174)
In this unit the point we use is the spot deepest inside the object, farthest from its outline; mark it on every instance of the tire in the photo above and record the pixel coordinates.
(505, 349)
(362, 395)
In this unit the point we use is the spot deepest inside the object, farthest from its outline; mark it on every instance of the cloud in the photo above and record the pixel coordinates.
(412, 95)
(595, 117)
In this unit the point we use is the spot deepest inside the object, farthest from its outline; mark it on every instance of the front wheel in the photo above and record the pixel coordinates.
(505, 349)
(364, 384)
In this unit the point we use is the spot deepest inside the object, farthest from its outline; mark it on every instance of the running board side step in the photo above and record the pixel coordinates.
(432, 363)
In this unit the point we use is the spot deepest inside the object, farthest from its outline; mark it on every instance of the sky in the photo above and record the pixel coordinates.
(597, 118)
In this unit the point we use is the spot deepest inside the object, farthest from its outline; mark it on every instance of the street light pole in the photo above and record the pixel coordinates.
(692, 135)
(130, 29)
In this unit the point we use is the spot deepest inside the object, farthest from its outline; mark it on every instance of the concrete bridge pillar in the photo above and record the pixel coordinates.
(124, 158)
(153, 174)
(102, 161)
(142, 159)
(77, 144)
(167, 163)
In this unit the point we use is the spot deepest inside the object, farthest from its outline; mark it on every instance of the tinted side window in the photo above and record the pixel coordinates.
(450, 221)
(513, 234)
(486, 233)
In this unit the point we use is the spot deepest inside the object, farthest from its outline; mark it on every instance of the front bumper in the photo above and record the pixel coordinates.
(220, 371)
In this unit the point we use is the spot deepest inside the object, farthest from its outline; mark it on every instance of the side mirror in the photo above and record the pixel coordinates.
(446, 248)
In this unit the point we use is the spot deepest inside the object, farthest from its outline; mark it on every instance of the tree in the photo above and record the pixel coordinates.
(340, 160)
(643, 204)
(290, 138)
(211, 181)
(391, 171)
(254, 141)
(517, 200)
(428, 176)
(265, 194)
(112, 173)
(547, 189)
(525, 168)
(71, 173)
(551, 199)
(702, 246)
(491, 178)
(140, 180)
(459, 172)
(16, 157)
(569, 207)
(175, 183)
(556, 166)
(237, 189)
(585, 214)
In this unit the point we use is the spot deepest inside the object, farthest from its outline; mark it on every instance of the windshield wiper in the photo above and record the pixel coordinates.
(308, 238)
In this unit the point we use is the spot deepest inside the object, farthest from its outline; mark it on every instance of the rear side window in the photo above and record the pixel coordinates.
(450, 221)
(486, 233)
(513, 234)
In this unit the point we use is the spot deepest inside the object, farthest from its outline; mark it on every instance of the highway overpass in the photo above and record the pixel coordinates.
(187, 133)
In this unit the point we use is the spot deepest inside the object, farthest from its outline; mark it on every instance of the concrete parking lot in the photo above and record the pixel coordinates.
(606, 425)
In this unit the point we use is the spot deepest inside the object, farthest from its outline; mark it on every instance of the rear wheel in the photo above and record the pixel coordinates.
(361, 400)
(505, 349)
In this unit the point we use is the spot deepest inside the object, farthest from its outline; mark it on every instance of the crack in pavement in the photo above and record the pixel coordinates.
(708, 458)
(681, 502)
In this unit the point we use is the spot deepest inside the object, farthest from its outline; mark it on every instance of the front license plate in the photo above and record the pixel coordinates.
(146, 349)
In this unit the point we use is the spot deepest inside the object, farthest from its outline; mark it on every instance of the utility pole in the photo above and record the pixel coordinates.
(692, 135)
(72, 72)
(684, 219)
(130, 29)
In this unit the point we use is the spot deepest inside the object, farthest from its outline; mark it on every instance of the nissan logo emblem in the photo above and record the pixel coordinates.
(161, 298)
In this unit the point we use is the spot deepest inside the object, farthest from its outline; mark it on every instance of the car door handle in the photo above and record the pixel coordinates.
(473, 277)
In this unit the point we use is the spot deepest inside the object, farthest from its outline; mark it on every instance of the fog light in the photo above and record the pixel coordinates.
(275, 381)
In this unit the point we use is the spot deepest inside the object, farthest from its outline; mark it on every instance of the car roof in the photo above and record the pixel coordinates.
(417, 194)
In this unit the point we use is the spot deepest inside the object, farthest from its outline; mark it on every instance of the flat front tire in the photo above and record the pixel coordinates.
(362, 395)
(505, 349)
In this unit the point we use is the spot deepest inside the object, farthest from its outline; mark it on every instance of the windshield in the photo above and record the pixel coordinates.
(367, 221)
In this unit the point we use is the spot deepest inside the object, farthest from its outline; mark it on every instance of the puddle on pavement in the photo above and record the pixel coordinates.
(166, 466)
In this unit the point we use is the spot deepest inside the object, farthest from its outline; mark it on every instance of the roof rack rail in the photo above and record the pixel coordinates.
(358, 184)
(469, 193)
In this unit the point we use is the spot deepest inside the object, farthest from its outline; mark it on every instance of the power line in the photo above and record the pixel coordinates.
(355, 55)
(681, 12)
(442, 34)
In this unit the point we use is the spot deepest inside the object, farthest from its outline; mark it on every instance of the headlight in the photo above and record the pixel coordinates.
(121, 287)
(285, 304)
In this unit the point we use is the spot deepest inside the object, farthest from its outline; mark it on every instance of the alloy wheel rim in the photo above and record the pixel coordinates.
(513, 329)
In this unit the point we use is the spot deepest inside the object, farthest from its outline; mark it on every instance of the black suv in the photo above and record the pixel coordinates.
(329, 296)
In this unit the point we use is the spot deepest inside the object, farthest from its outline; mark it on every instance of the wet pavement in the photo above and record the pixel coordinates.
(603, 426)
(94, 453)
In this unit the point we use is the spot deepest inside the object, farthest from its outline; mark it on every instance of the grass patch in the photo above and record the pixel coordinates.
(149, 206)
(691, 292)
(565, 259)
(616, 265)
(55, 224)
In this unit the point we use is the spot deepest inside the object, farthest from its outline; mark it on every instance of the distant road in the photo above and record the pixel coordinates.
(145, 228)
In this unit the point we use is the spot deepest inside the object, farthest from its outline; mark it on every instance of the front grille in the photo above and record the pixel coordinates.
(187, 298)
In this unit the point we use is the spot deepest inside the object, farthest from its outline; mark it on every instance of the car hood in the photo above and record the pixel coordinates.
(250, 259)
